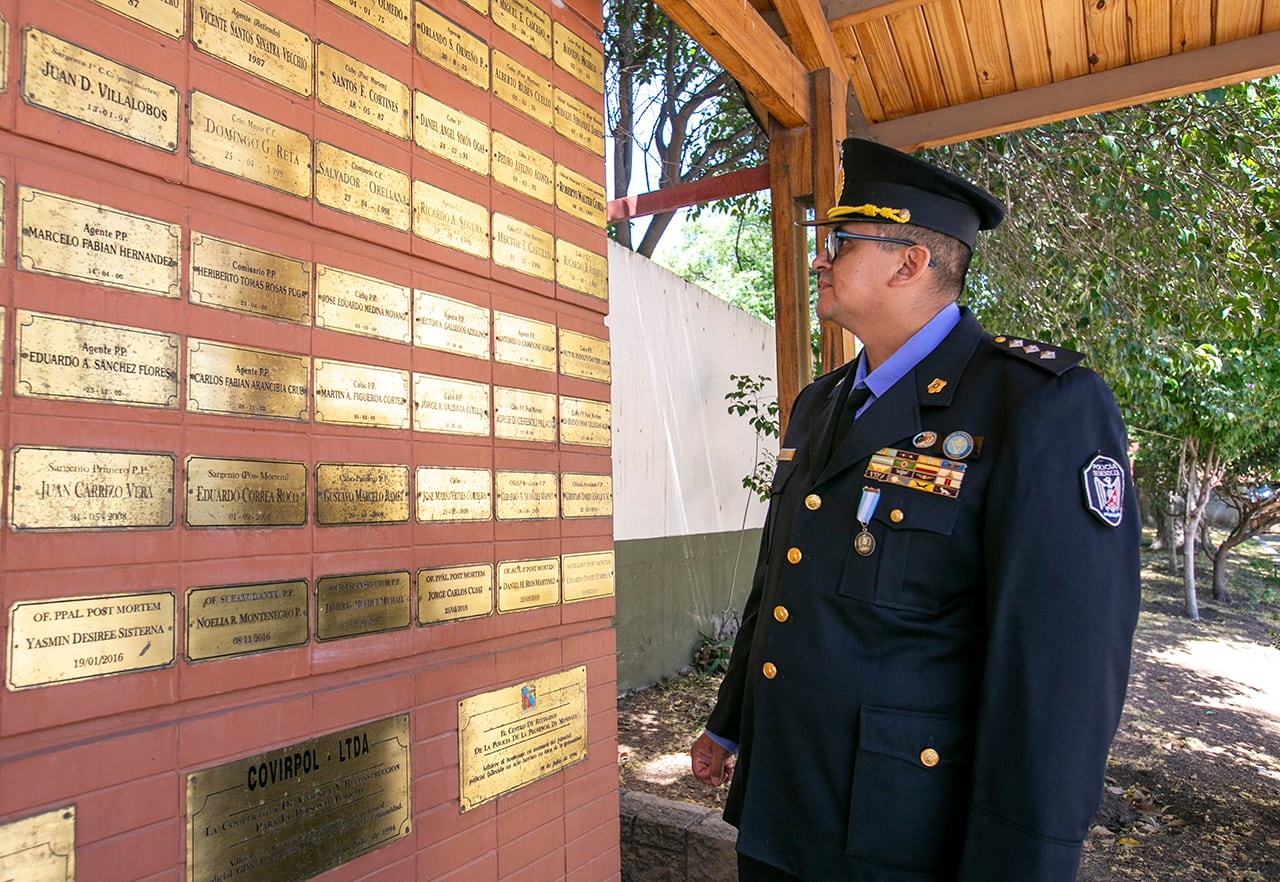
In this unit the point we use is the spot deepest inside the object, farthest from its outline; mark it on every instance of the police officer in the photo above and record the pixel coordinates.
(933, 658)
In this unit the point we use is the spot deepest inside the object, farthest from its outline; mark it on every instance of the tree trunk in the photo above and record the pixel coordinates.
(1189, 603)
(1220, 574)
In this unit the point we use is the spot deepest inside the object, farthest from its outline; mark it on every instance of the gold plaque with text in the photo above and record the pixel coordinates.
(526, 496)
(447, 594)
(515, 84)
(586, 496)
(456, 50)
(291, 813)
(244, 36)
(582, 270)
(587, 576)
(523, 169)
(453, 495)
(354, 185)
(523, 247)
(73, 239)
(480, 6)
(98, 91)
(3, 201)
(237, 142)
(449, 220)
(58, 488)
(584, 356)
(368, 603)
(526, 584)
(521, 415)
(169, 17)
(389, 16)
(245, 493)
(79, 360)
(361, 92)
(356, 304)
(580, 197)
(227, 275)
(450, 325)
(1, 338)
(517, 735)
(579, 123)
(526, 22)
(524, 341)
(583, 421)
(361, 493)
(449, 406)
(41, 848)
(450, 134)
(4, 55)
(361, 395)
(81, 638)
(239, 381)
(233, 620)
(581, 59)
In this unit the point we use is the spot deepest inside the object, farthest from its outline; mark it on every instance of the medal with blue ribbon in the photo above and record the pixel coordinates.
(864, 543)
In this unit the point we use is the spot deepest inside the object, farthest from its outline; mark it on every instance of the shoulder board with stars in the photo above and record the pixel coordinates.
(1053, 359)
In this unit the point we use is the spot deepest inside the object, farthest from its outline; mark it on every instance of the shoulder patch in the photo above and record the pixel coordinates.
(1053, 359)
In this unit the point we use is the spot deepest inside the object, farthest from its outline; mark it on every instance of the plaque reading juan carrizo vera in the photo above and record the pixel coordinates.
(58, 488)
(227, 275)
(41, 848)
(233, 620)
(245, 493)
(369, 603)
(359, 493)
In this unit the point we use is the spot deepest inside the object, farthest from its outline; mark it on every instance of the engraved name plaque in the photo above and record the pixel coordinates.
(447, 594)
(480, 6)
(169, 17)
(586, 496)
(361, 92)
(441, 217)
(73, 239)
(522, 169)
(580, 197)
(234, 141)
(526, 22)
(523, 247)
(526, 496)
(450, 134)
(584, 356)
(361, 187)
(369, 603)
(244, 493)
(290, 814)
(450, 325)
(236, 620)
(80, 638)
(525, 584)
(360, 493)
(587, 576)
(515, 736)
(516, 85)
(582, 270)
(227, 275)
(442, 42)
(579, 123)
(238, 381)
(522, 415)
(361, 395)
(356, 304)
(587, 422)
(454, 495)
(389, 16)
(56, 488)
(581, 59)
(449, 406)
(2, 314)
(524, 341)
(244, 36)
(41, 848)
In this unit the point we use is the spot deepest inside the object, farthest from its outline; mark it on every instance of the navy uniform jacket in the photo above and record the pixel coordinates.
(942, 708)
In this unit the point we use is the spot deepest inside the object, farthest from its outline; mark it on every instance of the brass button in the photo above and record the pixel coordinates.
(780, 613)
(928, 757)
(770, 670)
(794, 555)
(813, 502)
(896, 515)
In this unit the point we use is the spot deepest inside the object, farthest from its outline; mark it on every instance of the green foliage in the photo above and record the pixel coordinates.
(747, 400)
(712, 654)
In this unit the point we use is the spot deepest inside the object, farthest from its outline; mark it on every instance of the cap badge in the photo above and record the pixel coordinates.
(1104, 489)
(936, 385)
(957, 445)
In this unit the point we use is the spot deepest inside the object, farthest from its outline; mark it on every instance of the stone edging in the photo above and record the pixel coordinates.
(668, 841)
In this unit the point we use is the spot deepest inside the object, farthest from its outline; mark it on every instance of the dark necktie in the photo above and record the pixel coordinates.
(844, 422)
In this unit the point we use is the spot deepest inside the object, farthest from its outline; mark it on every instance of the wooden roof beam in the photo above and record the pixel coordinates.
(847, 13)
(811, 38)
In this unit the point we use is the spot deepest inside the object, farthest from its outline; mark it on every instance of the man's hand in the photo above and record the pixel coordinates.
(712, 764)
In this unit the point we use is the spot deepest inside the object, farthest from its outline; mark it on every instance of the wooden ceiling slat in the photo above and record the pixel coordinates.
(909, 30)
(1150, 29)
(1028, 46)
(1236, 20)
(1106, 27)
(1270, 15)
(886, 71)
(863, 89)
(1068, 46)
(1192, 26)
(982, 19)
(811, 38)
(951, 50)
(847, 13)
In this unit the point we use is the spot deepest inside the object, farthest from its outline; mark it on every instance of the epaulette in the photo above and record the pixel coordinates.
(1053, 359)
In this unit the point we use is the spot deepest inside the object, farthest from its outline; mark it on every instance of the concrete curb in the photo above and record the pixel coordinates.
(668, 841)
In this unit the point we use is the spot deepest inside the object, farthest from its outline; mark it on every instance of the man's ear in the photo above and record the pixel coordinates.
(912, 265)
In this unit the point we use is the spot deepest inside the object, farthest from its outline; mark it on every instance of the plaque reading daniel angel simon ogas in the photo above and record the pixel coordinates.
(40, 848)
(362, 92)
(239, 381)
(361, 395)
(227, 275)
(244, 36)
(58, 488)
(232, 620)
(450, 134)
(244, 493)
(237, 142)
(361, 493)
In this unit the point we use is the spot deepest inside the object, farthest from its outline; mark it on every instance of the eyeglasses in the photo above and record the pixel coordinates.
(834, 238)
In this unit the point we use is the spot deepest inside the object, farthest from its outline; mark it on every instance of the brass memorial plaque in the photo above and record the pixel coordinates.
(580, 197)
(232, 620)
(526, 91)
(4, 56)
(361, 395)
(73, 239)
(523, 247)
(1, 338)
(361, 187)
(3, 202)
(59, 488)
(449, 220)
(584, 356)
(368, 603)
(81, 638)
(524, 341)
(586, 496)
(582, 270)
(356, 304)
(581, 124)
(245, 493)
(526, 496)
(525, 584)
(244, 36)
(169, 17)
(583, 421)
(522, 415)
(526, 22)
(79, 360)
(587, 576)
(239, 381)
(580, 58)
(480, 6)
(523, 169)
(362, 92)
(98, 91)
(449, 406)
(41, 848)
(227, 275)
(234, 141)
(444, 43)
(515, 736)
(389, 16)
(448, 495)
(291, 813)
(447, 594)
(450, 325)
(450, 134)
(361, 493)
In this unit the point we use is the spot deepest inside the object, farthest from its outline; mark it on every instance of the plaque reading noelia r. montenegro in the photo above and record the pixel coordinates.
(583, 421)
(232, 620)
(389, 16)
(245, 493)
(450, 325)
(526, 584)
(361, 395)
(524, 341)
(523, 247)
(368, 603)
(40, 848)
(453, 407)
(243, 35)
(582, 270)
(453, 495)
(361, 187)
(58, 488)
(450, 134)
(441, 217)
(227, 275)
(361, 493)
(363, 305)
(579, 123)
(291, 813)
(524, 415)
(362, 92)
(239, 381)
(447, 594)
(584, 356)
(233, 140)
(169, 17)
(580, 58)
(454, 49)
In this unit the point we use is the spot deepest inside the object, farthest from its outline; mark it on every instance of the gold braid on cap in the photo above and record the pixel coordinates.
(897, 215)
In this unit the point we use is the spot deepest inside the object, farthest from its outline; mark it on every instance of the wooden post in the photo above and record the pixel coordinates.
(828, 96)
(789, 173)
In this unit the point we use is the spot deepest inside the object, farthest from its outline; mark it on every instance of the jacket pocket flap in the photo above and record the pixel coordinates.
(922, 739)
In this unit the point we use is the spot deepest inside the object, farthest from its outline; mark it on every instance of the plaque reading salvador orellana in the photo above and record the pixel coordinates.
(226, 275)
(389, 16)
(526, 496)
(522, 415)
(582, 270)
(526, 584)
(449, 406)
(523, 247)
(584, 356)
(57, 488)
(526, 22)
(361, 493)
(583, 421)
(522, 169)
(79, 360)
(238, 381)
(233, 620)
(515, 84)
(450, 134)
(169, 17)
(515, 736)
(524, 341)
(588, 575)
(41, 848)
(357, 304)
(448, 495)
(579, 123)
(369, 603)
(361, 187)
(79, 638)
(361, 395)
(580, 197)
(361, 92)
(98, 91)
(73, 239)
(581, 59)
(444, 43)
(586, 496)
(447, 594)
(450, 325)
(441, 217)
(244, 36)
(237, 142)
(290, 814)
(245, 493)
